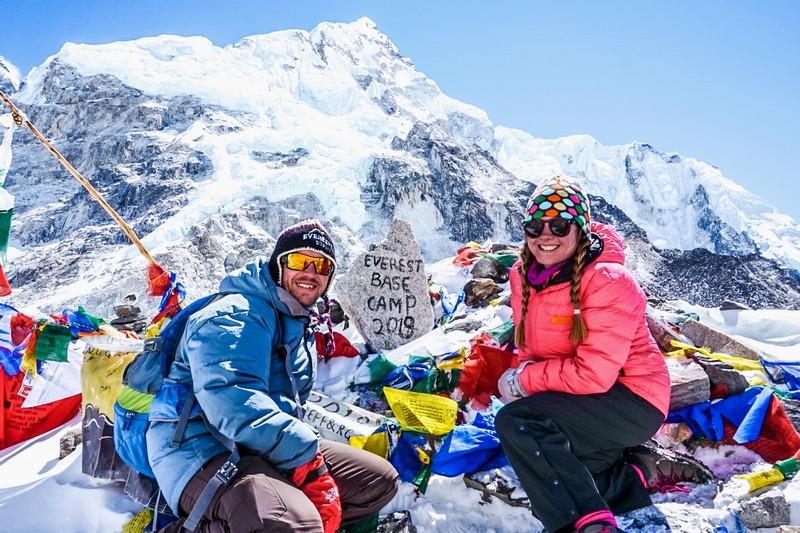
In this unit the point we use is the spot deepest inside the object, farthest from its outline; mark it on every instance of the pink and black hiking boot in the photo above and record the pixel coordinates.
(665, 470)
(597, 522)
(600, 528)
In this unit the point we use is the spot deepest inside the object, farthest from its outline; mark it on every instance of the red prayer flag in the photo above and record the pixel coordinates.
(21, 327)
(778, 439)
(158, 281)
(341, 346)
(171, 307)
(18, 424)
(482, 369)
(5, 288)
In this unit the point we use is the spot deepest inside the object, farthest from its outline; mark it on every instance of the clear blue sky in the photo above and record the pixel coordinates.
(716, 80)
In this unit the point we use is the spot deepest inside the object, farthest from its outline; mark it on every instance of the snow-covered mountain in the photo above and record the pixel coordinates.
(9, 76)
(209, 151)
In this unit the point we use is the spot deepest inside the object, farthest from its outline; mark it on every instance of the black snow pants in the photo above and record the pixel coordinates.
(567, 451)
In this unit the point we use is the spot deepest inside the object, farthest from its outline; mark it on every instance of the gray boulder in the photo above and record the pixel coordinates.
(767, 510)
(690, 383)
(490, 268)
(722, 375)
(730, 305)
(479, 291)
(385, 291)
(706, 336)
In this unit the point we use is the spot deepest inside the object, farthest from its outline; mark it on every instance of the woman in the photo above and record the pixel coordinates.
(591, 380)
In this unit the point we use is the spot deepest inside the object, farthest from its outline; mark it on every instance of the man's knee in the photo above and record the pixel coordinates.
(388, 486)
(366, 481)
(378, 488)
(260, 503)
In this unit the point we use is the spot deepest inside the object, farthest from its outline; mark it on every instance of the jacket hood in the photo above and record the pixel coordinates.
(254, 279)
(613, 250)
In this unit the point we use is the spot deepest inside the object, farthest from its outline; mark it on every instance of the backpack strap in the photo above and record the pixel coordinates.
(183, 421)
(221, 478)
(186, 412)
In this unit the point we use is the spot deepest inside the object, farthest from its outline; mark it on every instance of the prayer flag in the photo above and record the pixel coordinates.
(5, 288)
(5, 232)
(7, 127)
(53, 343)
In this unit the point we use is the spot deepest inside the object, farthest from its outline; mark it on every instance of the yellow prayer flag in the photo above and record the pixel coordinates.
(425, 413)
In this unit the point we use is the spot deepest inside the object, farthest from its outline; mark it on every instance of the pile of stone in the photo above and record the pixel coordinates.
(694, 377)
(129, 316)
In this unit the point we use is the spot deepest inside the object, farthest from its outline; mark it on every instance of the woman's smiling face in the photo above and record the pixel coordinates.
(549, 249)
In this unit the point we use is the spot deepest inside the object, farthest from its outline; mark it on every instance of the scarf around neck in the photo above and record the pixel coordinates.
(539, 275)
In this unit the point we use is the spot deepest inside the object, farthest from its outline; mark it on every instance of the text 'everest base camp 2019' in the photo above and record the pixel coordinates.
(195, 157)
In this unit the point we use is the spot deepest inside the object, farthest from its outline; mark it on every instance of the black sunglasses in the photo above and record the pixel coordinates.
(559, 227)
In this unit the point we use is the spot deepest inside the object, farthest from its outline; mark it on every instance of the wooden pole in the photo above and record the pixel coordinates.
(22, 120)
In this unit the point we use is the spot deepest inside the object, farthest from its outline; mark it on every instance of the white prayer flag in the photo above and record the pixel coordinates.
(7, 127)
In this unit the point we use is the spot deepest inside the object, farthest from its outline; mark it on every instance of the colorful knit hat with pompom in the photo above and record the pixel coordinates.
(562, 197)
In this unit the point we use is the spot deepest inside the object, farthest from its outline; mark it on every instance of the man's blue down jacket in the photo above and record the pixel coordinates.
(246, 390)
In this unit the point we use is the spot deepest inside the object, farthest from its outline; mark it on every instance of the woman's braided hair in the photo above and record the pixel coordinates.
(527, 261)
(578, 331)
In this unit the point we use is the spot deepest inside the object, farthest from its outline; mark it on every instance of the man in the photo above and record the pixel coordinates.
(245, 358)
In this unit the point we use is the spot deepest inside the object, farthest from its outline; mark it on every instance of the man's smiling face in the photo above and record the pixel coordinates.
(305, 285)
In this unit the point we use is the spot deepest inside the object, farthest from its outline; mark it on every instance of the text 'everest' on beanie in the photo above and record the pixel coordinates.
(561, 197)
(307, 234)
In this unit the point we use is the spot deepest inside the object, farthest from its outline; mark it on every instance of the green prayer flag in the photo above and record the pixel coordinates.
(93, 319)
(502, 333)
(788, 467)
(52, 343)
(427, 383)
(422, 478)
(5, 232)
(507, 259)
(379, 368)
(446, 380)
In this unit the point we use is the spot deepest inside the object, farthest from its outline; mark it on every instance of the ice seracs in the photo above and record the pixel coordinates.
(339, 117)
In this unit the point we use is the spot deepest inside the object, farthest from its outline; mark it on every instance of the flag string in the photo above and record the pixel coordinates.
(20, 119)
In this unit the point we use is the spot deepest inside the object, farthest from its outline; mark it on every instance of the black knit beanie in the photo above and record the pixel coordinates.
(307, 234)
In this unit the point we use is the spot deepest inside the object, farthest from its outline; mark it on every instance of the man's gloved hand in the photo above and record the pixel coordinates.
(318, 485)
(509, 385)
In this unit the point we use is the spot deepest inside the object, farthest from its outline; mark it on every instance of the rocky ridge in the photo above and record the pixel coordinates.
(154, 157)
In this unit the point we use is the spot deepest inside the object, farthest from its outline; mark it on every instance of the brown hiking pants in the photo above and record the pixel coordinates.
(261, 499)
